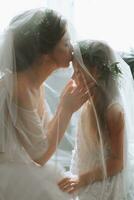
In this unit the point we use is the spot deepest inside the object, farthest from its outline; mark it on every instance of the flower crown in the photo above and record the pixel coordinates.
(112, 69)
(99, 56)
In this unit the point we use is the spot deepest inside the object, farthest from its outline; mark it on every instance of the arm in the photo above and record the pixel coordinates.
(55, 132)
(114, 164)
(40, 142)
(71, 100)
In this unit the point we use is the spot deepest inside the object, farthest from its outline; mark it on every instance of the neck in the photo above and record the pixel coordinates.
(36, 75)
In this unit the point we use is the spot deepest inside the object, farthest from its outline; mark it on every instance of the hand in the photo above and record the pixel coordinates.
(78, 74)
(73, 97)
(70, 185)
(81, 77)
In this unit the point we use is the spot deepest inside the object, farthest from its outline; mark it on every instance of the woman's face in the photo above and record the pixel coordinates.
(80, 75)
(62, 53)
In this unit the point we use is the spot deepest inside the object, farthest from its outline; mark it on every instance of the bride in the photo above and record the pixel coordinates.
(102, 167)
(35, 44)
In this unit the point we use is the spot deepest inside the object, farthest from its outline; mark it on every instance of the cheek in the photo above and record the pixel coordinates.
(63, 57)
(66, 53)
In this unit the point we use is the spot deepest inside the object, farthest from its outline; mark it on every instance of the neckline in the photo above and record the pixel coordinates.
(27, 110)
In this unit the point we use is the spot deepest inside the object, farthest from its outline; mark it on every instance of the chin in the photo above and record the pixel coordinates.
(67, 64)
(64, 65)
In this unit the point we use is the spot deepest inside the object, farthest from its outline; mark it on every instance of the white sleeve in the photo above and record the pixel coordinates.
(31, 133)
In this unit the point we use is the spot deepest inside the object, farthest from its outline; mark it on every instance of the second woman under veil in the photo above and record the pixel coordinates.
(103, 158)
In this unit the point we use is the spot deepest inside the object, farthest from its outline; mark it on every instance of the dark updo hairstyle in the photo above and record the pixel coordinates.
(35, 35)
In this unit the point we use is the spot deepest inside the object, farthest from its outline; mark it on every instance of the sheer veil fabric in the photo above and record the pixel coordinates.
(23, 133)
(9, 84)
(86, 157)
(15, 163)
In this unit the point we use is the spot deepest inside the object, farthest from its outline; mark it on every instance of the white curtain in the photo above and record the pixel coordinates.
(110, 20)
(8, 9)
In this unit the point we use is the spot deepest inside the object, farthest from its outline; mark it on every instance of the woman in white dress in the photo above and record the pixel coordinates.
(35, 44)
(102, 167)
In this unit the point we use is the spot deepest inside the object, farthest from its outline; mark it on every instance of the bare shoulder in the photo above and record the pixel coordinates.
(114, 112)
(115, 117)
(116, 124)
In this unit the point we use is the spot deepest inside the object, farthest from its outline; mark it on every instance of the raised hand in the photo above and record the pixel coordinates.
(73, 97)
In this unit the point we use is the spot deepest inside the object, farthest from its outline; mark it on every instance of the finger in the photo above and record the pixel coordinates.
(85, 94)
(81, 86)
(68, 188)
(84, 98)
(68, 185)
(64, 185)
(83, 90)
(75, 80)
(69, 87)
(71, 190)
(63, 181)
(69, 83)
(78, 90)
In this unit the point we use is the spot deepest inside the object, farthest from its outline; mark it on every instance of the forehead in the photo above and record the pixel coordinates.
(65, 38)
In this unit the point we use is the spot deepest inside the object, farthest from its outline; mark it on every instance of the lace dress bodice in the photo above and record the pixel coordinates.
(86, 154)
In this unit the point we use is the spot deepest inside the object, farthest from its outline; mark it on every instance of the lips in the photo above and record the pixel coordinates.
(72, 55)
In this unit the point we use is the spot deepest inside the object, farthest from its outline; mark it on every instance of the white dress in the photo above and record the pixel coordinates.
(20, 177)
(86, 157)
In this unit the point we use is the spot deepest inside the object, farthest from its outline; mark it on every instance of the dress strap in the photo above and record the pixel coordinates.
(113, 103)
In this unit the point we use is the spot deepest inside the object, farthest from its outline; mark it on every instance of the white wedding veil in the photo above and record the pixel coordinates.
(9, 85)
(23, 25)
(119, 88)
